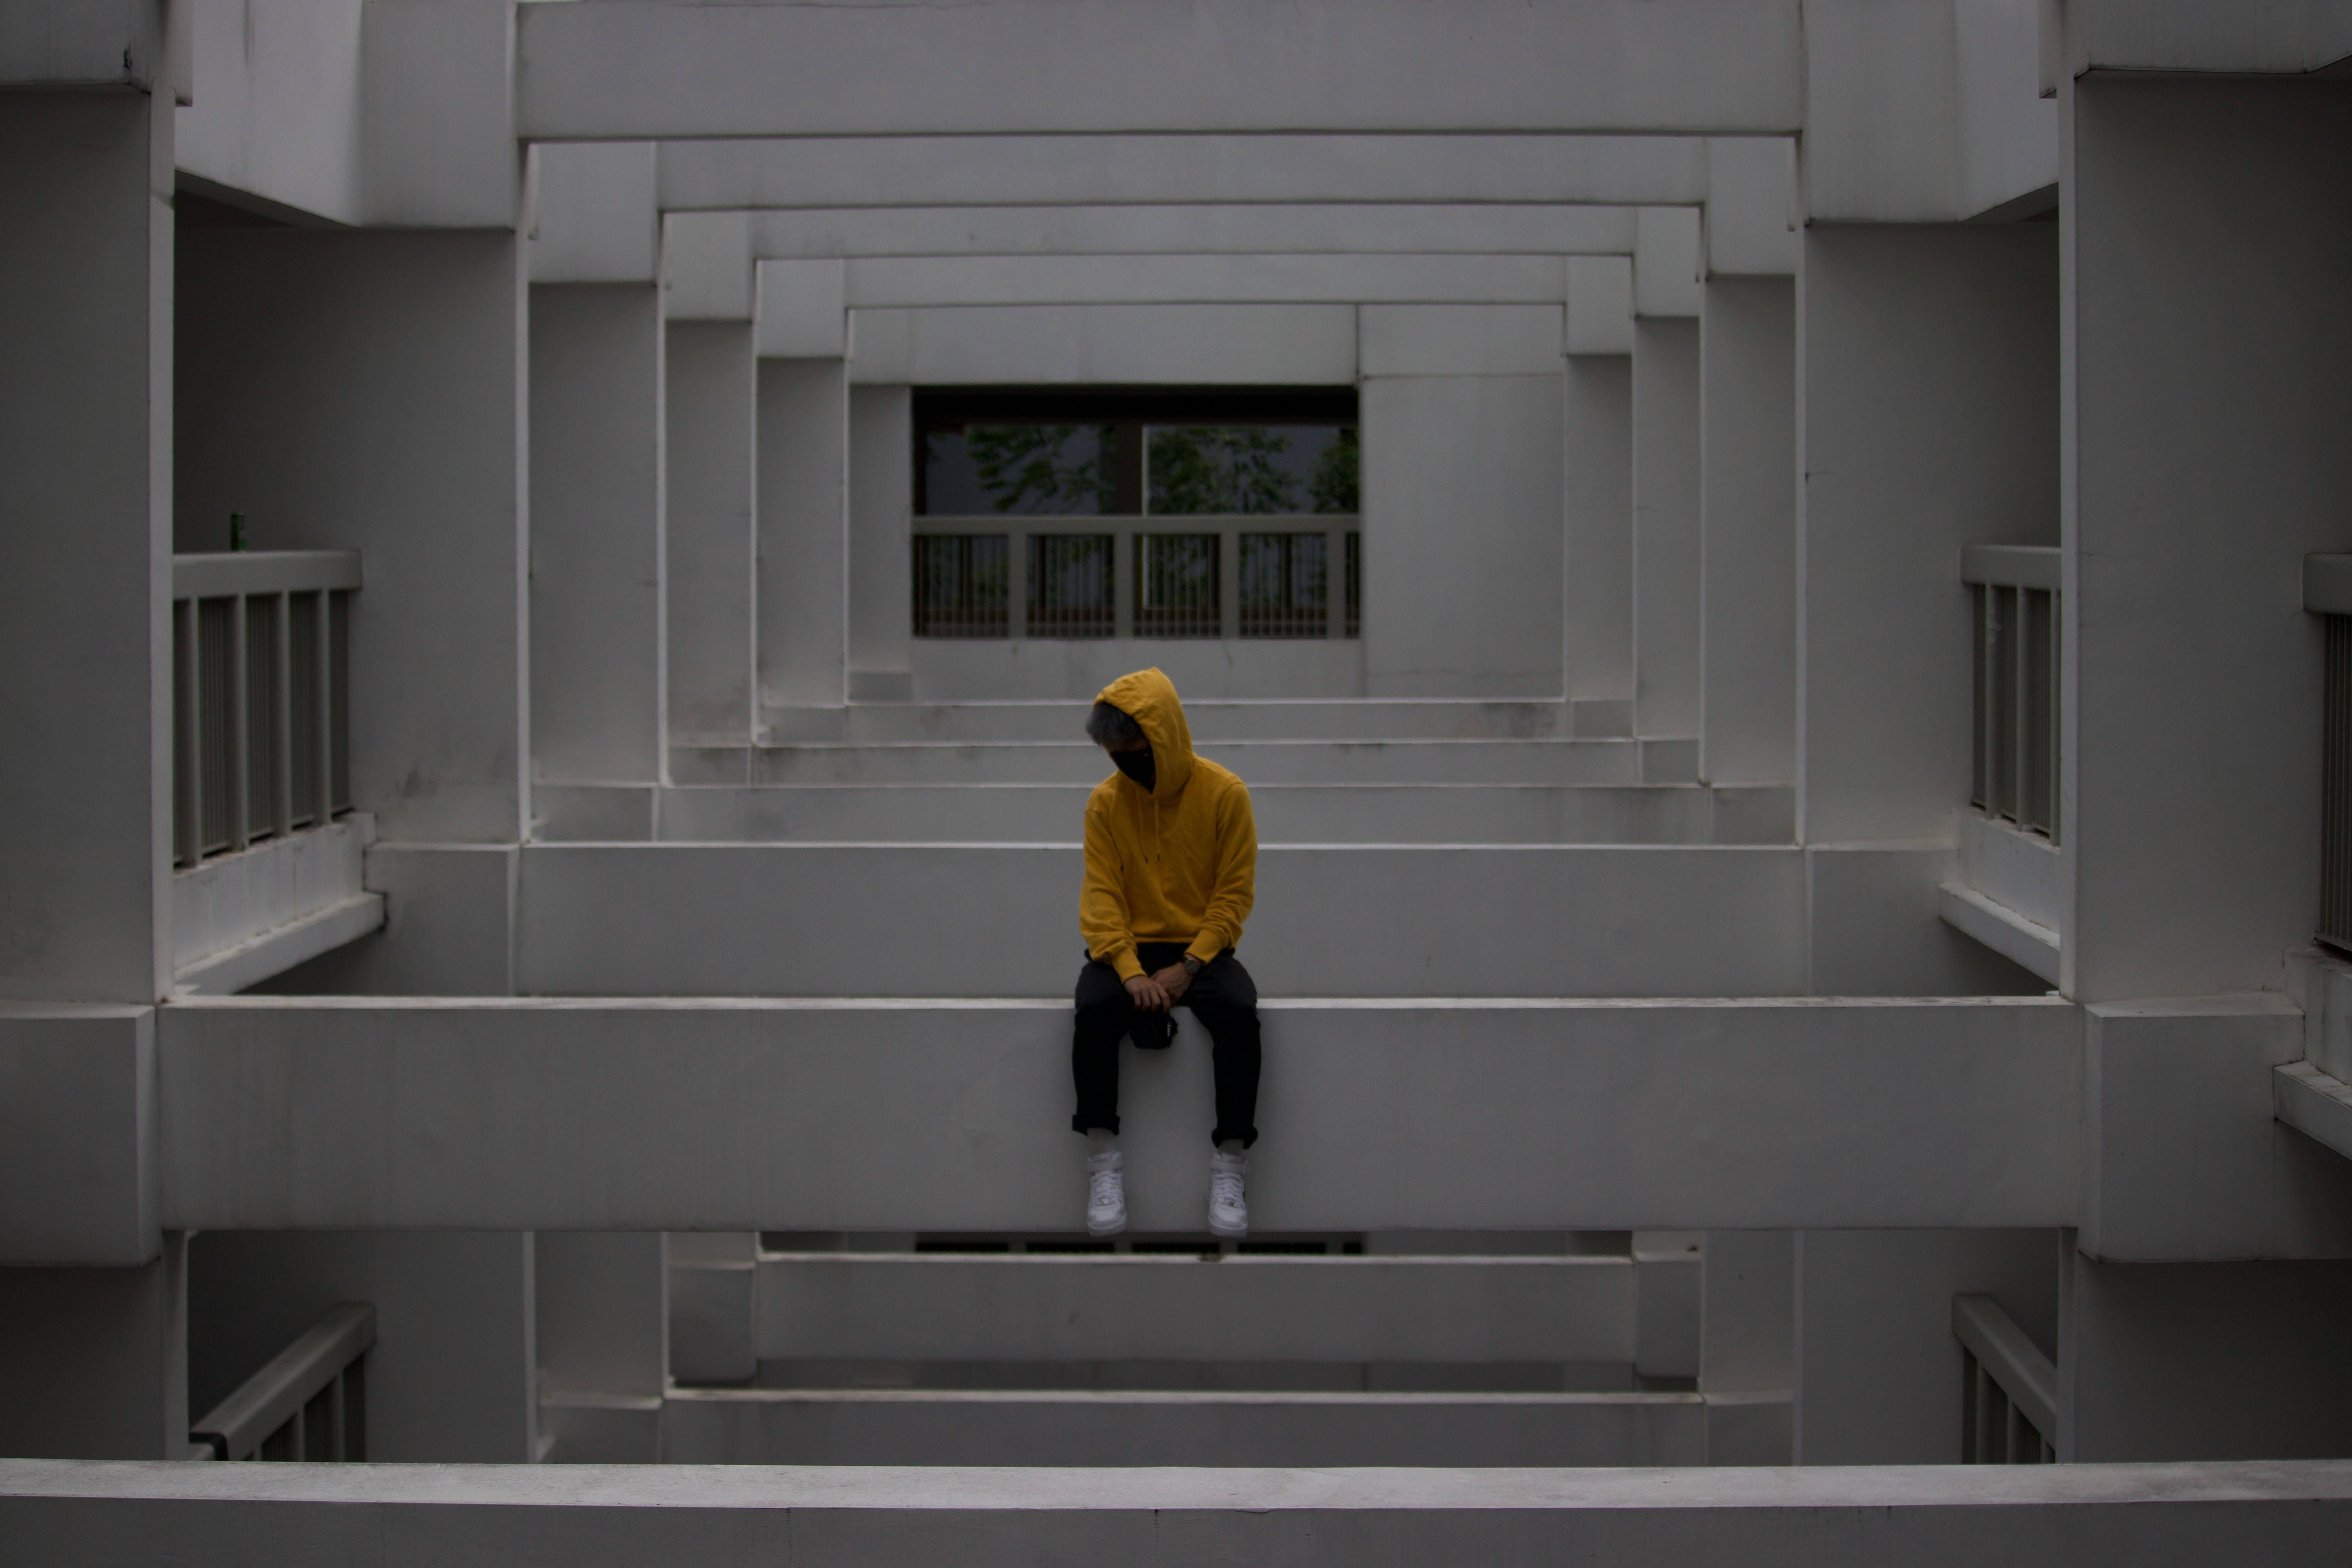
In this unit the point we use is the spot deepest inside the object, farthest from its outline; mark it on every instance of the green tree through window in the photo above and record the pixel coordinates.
(1199, 471)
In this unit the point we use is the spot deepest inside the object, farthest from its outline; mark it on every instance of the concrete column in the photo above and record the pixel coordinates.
(1747, 499)
(1877, 1368)
(881, 574)
(451, 1380)
(602, 1313)
(85, 544)
(1598, 437)
(2207, 328)
(1927, 420)
(1665, 526)
(364, 389)
(1748, 1344)
(596, 556)
(803, 578)
(710, 547)
(95, 1360)
(2204, 1361)
(1461, 535)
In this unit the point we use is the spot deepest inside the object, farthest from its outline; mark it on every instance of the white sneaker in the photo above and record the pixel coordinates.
(1228, 1212)
(1105, 1194)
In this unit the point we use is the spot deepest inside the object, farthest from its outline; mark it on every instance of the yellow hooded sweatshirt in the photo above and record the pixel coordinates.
(1178, 864)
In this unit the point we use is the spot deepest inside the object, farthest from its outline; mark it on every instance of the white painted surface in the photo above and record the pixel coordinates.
(593, 219)
(1090, 170)
(387, 417)
(1461, 340)
(1668, 261)
(1668, 549)
(1375, 65)
(275, 112)
(736, 1115)
(600, 1313)
(69, 43)
(275, 951)
(2183, 1160)
(786, 920)
(1597, 451)
(1600, 303)
(1747, 501)
(1256, 230)
(2007, 131)
(448, 930)
(1754, 213)
(706, 267)
(596, 516)
(78, 1172)
(2169, 1516)
(230, 899)
(885, 281)
(881, 505)
(956, 669)
(1536, 760)
(96, 1360)
(1461, 527)
(1106, 344)
(2195, 697)
(1882, 109)
(1877, 927)
(708, 543)
(85, 536)
(801, 308)
(436, 107)
(801, 590)
(1928, 378)
(823, 1306)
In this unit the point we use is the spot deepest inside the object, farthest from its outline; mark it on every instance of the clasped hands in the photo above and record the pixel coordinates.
(1157, 993)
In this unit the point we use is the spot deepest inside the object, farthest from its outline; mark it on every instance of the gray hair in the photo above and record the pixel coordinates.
(1106, 726)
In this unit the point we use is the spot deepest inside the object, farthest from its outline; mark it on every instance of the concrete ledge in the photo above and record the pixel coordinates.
(1528, 762)
(382, 1113)
(276, 952)
(115, 1515)
(78, 1164)
(2314, 1104)
(2007, 932)
(231, 903)
(1129, 1307)
(924, 1427)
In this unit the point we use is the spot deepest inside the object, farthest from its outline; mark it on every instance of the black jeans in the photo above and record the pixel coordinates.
(1222, 996)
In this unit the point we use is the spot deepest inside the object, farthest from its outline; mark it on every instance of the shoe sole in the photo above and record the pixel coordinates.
(1099, 1231)
(1229, 1233)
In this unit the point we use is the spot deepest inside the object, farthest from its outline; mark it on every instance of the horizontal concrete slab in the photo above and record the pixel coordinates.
(367, 1113)
(1238, 229)
(883, 281)
(1128, 1307)
(966, 919)
(905, 1427)
(117, 1515)
(1030, 813)
(1211, 720)
(1543, 761)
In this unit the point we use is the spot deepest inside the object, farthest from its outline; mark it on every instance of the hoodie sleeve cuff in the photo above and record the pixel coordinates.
(1126, 963)
(1206, 946)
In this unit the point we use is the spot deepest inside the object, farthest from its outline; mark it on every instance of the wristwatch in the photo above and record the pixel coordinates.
(1191, 964)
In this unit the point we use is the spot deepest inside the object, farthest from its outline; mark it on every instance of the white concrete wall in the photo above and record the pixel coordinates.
(1598, 452)
(1231, 345)
(275, 105)
(2205, 407)
(802, 587)
(1462, 529)
(1398, 1115)
(96, 1360)
(1667, 553)
(881, 574)
(1928, 373)
(597, 545)
(710, 542)
(1878, 1367)
(86, 408)
(451, 1380)
(365, 390)
(1748, 503)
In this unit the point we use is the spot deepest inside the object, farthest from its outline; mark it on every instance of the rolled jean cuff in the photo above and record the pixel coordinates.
(1221, 1136)
(1079, 1123)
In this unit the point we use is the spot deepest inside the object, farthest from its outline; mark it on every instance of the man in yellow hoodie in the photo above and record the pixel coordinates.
(1172, 866)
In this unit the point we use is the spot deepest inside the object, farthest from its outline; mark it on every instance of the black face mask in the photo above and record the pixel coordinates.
(1137, 765)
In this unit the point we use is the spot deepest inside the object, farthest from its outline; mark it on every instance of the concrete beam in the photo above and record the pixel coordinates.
(1187, 278)
(1238, 229)
(1280, 345)
(592, 214)
(335, 1112)
(1203, 165)
(603, 72)
(2040, 1516)
(77, 1168)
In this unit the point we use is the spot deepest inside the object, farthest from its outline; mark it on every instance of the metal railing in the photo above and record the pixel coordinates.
(1136, 577)
(2009, 1391)
(2328, 593)
(310, 1403)
(260, 709)
(2015, 591)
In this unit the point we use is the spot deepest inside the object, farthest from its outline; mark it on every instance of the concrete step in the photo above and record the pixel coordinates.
(362, 1114)
(1272, 719)
(918, 1426)
(1292, 814)
(1531, 762)
(931, 1306)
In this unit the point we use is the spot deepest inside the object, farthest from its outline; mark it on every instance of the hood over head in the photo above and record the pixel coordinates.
(1150, 699)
